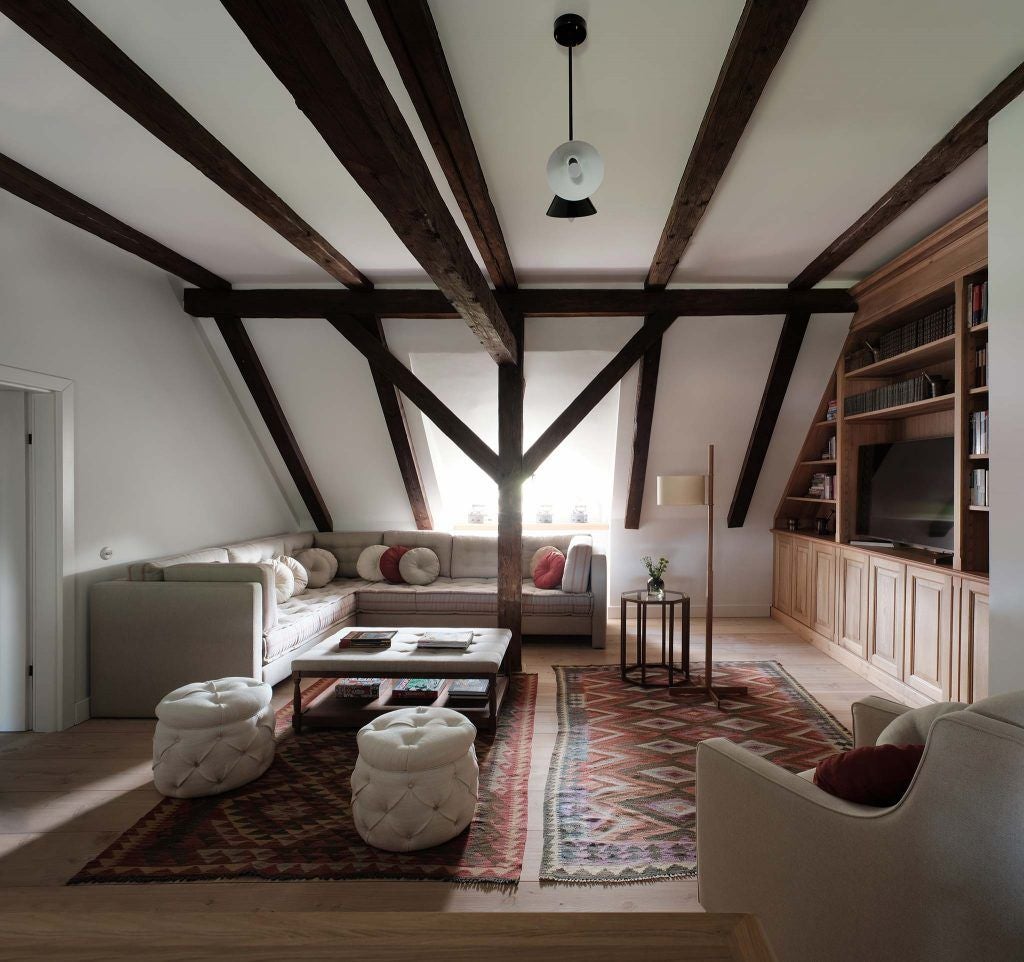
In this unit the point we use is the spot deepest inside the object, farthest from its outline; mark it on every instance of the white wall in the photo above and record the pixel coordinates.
(163, 461)
(1006, 395)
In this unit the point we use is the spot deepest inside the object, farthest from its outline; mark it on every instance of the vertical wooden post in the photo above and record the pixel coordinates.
(510, 496)
(710, 611)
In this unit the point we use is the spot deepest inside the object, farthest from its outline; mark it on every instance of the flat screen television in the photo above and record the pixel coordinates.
(905, 492)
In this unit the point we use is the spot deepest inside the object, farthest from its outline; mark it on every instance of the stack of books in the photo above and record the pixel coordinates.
(888, 396)
(822, 486)
(832, 411)
(977, 303)
(365, 640)
(459, 640)
(362, 689)
(978, 439)
(468, 692)
(979, 487)
(932, 327)
(416, 689)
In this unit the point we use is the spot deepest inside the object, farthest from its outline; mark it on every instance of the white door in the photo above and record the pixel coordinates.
(14, 565)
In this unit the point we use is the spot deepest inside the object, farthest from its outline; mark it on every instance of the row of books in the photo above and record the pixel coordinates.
(981, 366)
(979, 487)
(822, 486)
(977, 439)
(463, 691)
(832, 411)
(977, 300)
(932, 327)
(888, 396)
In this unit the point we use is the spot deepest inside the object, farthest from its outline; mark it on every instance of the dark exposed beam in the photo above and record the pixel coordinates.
(417, 392)
(646, 390)
(398, 429)
(610, 375)
(71, 37)
(968, 136)
(242, 350)
(534, 302)
(316, 50)
(411, 35)
(764, 29)
(45, 194)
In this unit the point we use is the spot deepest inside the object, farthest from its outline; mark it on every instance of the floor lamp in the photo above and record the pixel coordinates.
(692, 490)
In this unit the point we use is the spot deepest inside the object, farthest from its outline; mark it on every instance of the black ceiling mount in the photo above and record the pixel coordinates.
(570, 30)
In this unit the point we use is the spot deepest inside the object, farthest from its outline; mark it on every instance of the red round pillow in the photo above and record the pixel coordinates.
(549, 568)
(389, 564)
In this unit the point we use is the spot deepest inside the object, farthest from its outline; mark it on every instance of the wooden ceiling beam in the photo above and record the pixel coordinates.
(585, 402)
(55, 200)
(316, 50)
(398, 430)
(243, 351)
(74, 39)
(417, 392)
(531, 302)
(643, 420)
(761, 36)
(411, 35)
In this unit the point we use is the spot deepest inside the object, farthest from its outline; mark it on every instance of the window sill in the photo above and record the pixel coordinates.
(534, 528)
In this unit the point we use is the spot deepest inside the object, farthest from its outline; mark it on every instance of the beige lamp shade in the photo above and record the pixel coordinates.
(682, 489)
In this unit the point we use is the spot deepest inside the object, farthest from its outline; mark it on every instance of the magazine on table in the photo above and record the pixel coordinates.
(363, 638)
(435, 638)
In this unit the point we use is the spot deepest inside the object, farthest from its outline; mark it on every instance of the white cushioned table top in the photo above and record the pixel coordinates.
(483, 655)
(415, 739)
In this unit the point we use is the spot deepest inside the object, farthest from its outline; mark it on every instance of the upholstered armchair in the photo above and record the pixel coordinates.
(939, 876)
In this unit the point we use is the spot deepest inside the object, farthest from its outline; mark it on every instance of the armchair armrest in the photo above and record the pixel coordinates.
(871, 716)
(232, 572)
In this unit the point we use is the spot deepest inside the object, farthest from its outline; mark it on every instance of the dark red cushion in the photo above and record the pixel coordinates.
(549, 569)
(389, 564)
(872, 775)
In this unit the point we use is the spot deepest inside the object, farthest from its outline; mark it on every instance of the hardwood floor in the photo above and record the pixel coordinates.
(65, 796)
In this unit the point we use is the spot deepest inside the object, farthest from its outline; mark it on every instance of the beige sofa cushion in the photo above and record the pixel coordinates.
(576, 576)
(346, 546)
(467, 596)
(266, 549)
(260, 573)
(440, 542)
(154, 570)
(303, 616)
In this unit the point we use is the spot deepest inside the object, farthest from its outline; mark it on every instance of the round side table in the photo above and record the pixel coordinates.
(668, 602)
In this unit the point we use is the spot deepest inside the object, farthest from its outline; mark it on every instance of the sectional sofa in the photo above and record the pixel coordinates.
(212, 613)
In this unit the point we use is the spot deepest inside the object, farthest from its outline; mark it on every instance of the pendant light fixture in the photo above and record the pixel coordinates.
(575, 168)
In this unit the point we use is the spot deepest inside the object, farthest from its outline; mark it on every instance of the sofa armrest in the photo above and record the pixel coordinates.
(599, 589)
(148, 638)
(871, 716)
(262, 574)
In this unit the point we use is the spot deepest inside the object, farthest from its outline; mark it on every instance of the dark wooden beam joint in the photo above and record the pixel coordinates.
(251, 368)
(643, 419)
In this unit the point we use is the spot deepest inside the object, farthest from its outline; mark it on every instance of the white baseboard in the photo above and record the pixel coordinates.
(697, 611)
(82, 711)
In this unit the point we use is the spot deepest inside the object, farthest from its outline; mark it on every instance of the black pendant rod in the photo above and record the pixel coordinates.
(570, 93)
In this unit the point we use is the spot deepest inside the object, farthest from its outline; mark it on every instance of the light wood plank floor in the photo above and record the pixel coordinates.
(65, 796)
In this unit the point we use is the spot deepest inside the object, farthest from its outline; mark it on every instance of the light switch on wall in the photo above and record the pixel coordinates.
(106, 553)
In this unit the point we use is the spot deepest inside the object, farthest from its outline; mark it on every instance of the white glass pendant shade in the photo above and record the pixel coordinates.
(575, 170)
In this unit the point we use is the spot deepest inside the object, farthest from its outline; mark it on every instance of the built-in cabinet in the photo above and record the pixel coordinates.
(823, 589)
(972, 641)
(886, 590)
(853, 602)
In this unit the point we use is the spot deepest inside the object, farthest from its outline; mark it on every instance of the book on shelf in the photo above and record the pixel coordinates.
(416, 689)
(978, 433)
(977, 300)
(822, 486)
(363, 689)
(981, 366)
(933, 326)
(468, 690)
(364, 640)
(979, 487)
(832, 411)
(436, 638)
(829, 454)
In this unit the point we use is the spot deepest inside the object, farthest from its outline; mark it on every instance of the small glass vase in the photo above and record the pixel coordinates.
(656, 587)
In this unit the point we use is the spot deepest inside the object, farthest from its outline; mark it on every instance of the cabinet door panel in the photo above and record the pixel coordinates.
(823, 591)
(885, 618)
(802, 580)
(927, 632)
(853, 601)
(783, 591)
(973, 641)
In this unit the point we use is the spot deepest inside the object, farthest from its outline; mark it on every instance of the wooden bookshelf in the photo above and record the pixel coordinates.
(941, 350)
(930, 405)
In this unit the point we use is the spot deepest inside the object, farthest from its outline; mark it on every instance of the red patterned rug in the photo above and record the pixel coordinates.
(295, 822)
(620, 804)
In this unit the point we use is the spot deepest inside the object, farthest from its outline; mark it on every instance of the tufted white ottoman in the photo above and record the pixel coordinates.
(212, 736)
(415, 781)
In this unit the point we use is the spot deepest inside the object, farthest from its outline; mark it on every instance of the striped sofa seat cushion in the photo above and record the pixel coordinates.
(467, 596)
(303, 616)
(551, 602)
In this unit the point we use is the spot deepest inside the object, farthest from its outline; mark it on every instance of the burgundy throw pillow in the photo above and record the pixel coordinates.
(873, 775)
(389, 564)
(549, 568)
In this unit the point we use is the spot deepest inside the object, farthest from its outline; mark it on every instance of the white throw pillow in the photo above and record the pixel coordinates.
(576, 577)
(284, 580)
(419, 566)
(300, 574)
(320, 564)
(368, 563)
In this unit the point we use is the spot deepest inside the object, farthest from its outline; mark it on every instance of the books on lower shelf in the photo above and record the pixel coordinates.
(979, 487)
(363, 689)
(977, 303)
(889, 396)
(822, 486)
(458, 639)
(978, 433)
(468, 691)
(416, 689)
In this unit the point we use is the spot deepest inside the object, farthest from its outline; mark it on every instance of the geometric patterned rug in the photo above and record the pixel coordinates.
(295, 821)
(620, 804)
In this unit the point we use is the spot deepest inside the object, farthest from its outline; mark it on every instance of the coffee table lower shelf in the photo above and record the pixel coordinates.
(326, 710)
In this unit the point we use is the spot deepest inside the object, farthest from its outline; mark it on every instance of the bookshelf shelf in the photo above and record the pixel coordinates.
(930, 405)
(977, 507)
(980, 390)
(980, 329)
(794, 497)
(825, 424)
(819, 461)
(932, 353)
(977, 457)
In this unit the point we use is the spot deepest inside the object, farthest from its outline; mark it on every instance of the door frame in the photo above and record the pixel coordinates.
(52, 584)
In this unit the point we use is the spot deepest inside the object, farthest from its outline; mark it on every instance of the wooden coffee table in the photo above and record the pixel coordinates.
(486, 658)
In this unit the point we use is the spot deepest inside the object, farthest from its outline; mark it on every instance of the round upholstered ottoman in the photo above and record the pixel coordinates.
(415, 781)
(212, 736)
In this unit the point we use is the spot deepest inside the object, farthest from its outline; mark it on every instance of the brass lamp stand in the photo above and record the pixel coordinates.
(699, 489)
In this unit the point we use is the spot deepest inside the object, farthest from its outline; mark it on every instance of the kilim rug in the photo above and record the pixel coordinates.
(620, 804)
(295, 822)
